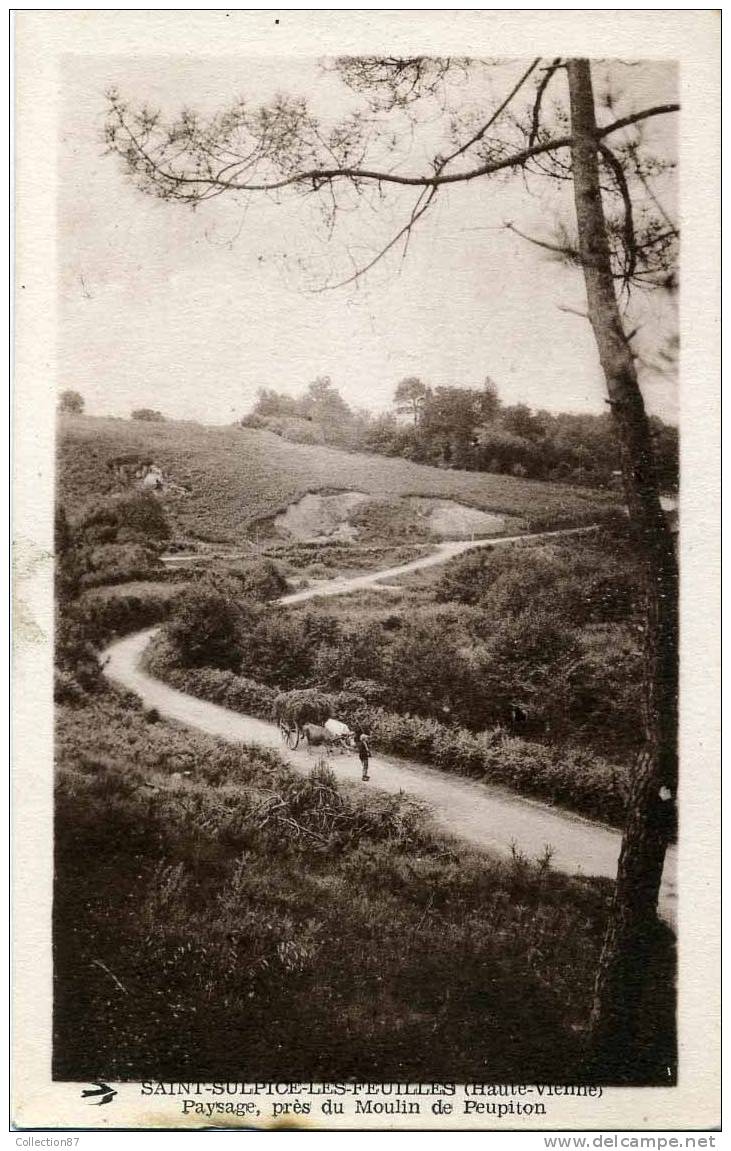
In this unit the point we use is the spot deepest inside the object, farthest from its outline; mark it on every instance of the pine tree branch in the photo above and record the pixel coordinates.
(630, 244)
(174, 182)
(536, 122)
(560, 250)
(416, 215)
(479, 135)
(419, 210)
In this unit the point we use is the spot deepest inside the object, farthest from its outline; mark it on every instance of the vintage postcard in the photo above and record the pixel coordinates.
(367, 573)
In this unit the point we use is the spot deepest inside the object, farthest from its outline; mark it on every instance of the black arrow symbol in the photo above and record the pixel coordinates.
(104, 1090)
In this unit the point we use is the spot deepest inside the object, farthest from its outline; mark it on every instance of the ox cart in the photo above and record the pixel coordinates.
(306, 715)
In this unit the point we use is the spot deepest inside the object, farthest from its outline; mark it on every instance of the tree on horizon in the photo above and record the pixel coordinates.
(71, 401)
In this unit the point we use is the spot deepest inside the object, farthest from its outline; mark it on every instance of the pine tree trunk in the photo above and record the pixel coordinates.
(621, 992)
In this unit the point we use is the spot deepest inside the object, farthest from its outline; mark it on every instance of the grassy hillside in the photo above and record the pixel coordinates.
(216, 914)
(240, 476)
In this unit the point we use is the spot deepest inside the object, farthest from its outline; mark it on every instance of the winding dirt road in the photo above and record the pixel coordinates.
(443, 552)
(487, 817)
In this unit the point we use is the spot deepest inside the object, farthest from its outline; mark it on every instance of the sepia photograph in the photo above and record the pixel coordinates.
(364, 468)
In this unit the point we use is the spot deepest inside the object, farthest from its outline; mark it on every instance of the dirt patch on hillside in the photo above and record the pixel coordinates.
(320, 517)
(450, 520)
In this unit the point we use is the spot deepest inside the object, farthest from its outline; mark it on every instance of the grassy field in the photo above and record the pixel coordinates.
(217, 915)
(240, 477)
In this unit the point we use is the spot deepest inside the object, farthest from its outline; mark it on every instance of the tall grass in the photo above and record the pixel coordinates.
(215, 912)
(217, 915)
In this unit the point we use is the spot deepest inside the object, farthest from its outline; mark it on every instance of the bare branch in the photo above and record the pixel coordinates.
(535, 125)
(629, 225)
(418, 210)
(572, 311)
(627, 121)
(479, 135)
(405, 231)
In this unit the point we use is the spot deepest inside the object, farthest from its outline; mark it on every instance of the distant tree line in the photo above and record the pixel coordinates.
(466, 428)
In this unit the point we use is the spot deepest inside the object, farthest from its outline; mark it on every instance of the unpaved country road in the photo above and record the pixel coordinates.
(486, 816)
(445, 551)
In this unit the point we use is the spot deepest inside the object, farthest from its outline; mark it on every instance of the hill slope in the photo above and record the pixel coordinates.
(238, 477)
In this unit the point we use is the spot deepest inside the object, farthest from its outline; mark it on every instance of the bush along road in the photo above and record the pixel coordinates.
(486, 816)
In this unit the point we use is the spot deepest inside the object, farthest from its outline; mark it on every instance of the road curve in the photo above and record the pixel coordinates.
(443, 552)
(485, 816)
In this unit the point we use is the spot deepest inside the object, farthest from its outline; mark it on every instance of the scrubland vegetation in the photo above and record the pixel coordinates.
(518, 666)
(325, 559)
(572, 777)
(217, 915)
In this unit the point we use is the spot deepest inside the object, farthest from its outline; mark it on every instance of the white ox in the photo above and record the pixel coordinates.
(340, 732)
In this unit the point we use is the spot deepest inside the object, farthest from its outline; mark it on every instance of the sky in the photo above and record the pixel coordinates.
(192, 312)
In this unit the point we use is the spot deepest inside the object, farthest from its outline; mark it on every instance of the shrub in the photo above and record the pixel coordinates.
(71, 401)
(148, 415)
(218, 685)
(260, 580)
(125, 517)
(427, 670)
(355, 652)
(207, 627)
(77, 666)
(569, 777)
(234, 691)
(294, 428)
(603, 699)
(120, 614)
(82, 629)
(112, 563)
(67, 688)
(116, 539)
(371, 691)
(583, 580)
(67, 568)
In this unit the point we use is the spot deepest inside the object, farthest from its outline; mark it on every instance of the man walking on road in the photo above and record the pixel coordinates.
(364, 753)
